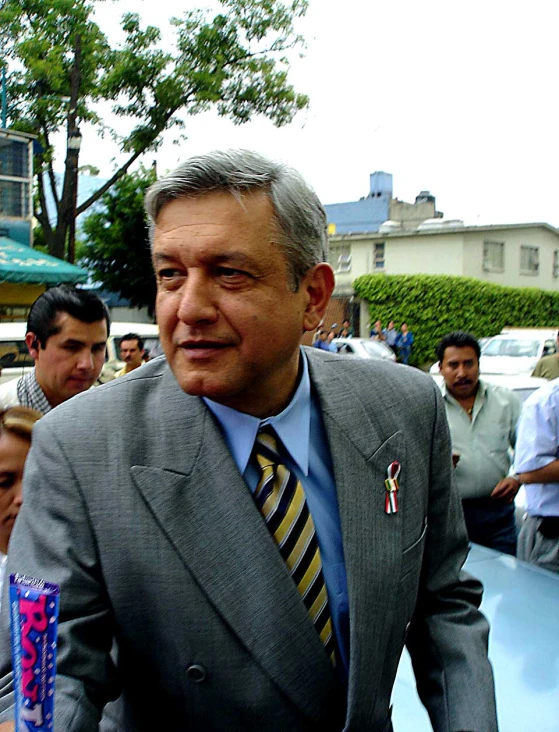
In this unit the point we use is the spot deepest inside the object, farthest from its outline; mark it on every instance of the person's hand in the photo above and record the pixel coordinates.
(7, 727)
(505, 490)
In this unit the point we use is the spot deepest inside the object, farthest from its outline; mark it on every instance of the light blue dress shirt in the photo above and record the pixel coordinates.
(301, 430)
(537, 445)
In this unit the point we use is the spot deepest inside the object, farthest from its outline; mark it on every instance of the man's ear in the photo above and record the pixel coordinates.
(32, 343)
(318, 283)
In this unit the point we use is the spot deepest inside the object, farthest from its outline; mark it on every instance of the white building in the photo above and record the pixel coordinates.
(516, 255)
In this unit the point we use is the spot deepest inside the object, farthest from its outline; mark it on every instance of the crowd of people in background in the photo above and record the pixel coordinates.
(400, 341)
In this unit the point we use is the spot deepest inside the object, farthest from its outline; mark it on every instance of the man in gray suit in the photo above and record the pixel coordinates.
(162, 537)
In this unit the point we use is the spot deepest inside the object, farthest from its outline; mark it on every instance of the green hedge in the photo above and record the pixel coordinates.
(434, 305)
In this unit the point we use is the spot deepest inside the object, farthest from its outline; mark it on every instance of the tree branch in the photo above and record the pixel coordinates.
(105, 187)
(42, 215)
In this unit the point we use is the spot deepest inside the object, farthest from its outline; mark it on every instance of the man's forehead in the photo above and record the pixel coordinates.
(459, 353)
(70, 327)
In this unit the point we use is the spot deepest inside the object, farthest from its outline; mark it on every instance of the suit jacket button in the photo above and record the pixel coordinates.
(196, 673)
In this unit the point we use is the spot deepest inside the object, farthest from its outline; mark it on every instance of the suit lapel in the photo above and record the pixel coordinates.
(206, 510)
(362, 449)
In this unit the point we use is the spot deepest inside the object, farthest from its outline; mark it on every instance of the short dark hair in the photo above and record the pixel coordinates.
(458, 339)
(80, 304)
(133, 337)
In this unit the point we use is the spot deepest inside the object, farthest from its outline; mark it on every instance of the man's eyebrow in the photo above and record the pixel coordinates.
(232, 258)
(160, 257)
(77, 342)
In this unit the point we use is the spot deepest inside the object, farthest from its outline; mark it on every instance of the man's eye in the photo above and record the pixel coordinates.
(228, 273)
(168, 274)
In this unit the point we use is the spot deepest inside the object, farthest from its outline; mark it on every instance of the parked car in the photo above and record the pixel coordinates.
(16, 361)
(517, 351)
(521, 602)
(364, 348)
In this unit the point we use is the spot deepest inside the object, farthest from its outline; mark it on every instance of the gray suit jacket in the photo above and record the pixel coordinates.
(134, 505)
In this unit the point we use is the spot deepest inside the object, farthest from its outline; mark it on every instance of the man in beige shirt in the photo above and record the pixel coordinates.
(548, 366)
(131, 352)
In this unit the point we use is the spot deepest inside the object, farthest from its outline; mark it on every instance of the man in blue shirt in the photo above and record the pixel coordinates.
(536, 461)
(161, 536)
(404, 342)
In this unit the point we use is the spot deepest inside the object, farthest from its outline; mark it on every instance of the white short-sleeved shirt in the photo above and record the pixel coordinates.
(537, 445)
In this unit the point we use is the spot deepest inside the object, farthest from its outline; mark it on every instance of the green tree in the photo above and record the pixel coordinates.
(116, 247)
(61, 66)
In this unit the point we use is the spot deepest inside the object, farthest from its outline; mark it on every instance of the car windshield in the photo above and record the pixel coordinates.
(374, 348)
(514, 347)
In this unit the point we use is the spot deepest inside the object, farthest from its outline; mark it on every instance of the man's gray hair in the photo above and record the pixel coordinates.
(302, 230)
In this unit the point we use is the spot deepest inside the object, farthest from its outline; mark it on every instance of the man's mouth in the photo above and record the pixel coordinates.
(203, 348)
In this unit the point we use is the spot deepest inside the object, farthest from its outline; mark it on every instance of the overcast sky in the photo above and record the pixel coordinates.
(456, 98)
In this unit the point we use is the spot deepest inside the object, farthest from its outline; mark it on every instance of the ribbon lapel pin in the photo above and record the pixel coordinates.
(392, 487)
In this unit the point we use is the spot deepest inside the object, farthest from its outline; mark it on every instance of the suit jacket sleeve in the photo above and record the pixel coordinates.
(448, 636)
(86, 679)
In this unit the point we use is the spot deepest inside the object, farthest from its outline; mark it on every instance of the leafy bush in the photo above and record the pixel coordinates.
(434, 305)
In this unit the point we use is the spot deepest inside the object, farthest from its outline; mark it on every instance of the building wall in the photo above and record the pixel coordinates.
(511, 274)
(411, 215)
(357, 216)
(458, 252)
(16, 299)
(439, 254)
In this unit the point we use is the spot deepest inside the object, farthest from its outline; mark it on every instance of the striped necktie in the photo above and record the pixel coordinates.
(281, 500)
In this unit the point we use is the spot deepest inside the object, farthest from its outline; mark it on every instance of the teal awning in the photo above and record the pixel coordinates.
(19, 263)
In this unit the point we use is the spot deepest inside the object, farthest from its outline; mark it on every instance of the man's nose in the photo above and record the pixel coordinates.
(86, 361)
(18, 494)
(197, 300)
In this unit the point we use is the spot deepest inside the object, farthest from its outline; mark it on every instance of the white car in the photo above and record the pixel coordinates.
(517, 351)
(364, 348)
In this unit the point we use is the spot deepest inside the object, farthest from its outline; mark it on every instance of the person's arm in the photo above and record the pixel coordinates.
(536, 458)
(448, 635)
(52, 540)
(547, 474)
(507, 488)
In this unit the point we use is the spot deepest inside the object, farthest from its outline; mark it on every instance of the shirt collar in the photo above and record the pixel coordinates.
(292, 425)
(30, 394)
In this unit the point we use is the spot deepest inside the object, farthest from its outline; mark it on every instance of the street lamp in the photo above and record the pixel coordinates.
(73, 144)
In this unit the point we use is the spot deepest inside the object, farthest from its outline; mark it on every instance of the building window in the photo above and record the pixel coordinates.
(493, 256)
(555, 263)
(340, 258)
(529, 260)
(378, 262)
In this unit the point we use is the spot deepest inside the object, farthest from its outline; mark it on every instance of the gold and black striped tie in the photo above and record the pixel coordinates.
(281, 500)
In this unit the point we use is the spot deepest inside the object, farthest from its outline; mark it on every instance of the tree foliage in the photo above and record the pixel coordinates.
(61, 66)
(434, 305)
(116, 248)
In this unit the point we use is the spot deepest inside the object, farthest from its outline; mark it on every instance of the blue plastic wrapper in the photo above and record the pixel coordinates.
(34, 625)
